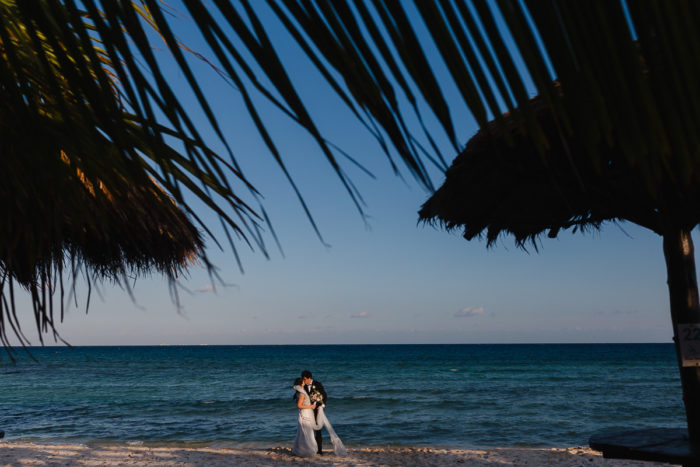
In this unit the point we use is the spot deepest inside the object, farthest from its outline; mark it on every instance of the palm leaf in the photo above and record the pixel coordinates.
(85, 75)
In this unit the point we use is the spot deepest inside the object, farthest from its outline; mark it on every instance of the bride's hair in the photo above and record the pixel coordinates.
(297, 382)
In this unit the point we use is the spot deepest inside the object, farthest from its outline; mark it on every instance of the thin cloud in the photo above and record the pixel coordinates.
(618, 312)
(207, 288)
(468, 312)
(308, 315)
(362, 314)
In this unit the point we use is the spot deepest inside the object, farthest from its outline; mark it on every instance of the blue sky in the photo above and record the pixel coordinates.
(389, 280)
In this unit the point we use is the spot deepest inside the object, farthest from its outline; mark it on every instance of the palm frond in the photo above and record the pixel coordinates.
(84, 75)
(82, 150)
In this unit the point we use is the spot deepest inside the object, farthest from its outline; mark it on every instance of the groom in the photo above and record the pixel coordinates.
(312, 386)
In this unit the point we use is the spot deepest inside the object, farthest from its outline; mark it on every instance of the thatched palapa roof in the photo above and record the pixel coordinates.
(112, 227)
(82, 166)
(494, 187)
(101, 217)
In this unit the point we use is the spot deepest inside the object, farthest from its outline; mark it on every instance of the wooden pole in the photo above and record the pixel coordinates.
(685, 312)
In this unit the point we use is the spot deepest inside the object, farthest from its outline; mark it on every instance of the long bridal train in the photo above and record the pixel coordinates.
(322, 420)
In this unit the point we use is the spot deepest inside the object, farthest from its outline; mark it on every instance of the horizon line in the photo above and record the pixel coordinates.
(339, 345)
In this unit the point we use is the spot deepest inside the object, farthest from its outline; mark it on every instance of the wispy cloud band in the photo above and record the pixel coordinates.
(362, 314)
(468, 312)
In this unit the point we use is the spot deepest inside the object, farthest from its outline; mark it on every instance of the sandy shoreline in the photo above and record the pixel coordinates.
(30, 454)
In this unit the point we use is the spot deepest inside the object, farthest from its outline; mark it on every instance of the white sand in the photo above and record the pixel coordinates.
(21, 454)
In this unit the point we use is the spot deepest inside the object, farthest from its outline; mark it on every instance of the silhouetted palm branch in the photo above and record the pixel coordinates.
(84, 77)
(92, 180)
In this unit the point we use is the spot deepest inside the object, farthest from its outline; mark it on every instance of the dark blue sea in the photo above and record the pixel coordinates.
(437, 395)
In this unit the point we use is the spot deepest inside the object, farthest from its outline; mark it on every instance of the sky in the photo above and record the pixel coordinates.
(386, 280)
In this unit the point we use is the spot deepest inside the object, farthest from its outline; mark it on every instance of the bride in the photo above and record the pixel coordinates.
(305, 442)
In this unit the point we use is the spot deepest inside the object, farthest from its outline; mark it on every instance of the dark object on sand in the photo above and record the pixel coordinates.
(670, 445)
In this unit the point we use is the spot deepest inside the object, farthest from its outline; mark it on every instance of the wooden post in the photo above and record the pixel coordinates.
(683, 293)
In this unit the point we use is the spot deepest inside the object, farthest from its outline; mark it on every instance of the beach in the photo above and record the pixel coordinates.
(30, 454)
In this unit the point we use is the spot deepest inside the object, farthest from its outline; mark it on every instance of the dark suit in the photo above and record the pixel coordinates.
(316, 386)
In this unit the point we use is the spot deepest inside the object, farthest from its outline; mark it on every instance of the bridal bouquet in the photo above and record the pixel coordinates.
(317, 397)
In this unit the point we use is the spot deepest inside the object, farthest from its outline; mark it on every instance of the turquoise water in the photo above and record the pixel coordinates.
(440, 395)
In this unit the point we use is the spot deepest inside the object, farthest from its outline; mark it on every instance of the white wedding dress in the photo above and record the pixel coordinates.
(305, 442)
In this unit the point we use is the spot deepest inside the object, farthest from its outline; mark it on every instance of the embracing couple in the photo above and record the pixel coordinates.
(311, 402)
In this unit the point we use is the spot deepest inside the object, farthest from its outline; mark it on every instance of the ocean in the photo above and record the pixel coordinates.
(547, 395)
